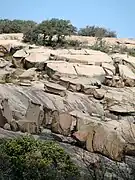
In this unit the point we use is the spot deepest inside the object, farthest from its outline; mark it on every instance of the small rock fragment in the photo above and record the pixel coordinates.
(55, 89)
(7, 127)
(14, 126)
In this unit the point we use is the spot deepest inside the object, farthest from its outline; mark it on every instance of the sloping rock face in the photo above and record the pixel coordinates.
(81, 97)
(84, 95)
(78, 115)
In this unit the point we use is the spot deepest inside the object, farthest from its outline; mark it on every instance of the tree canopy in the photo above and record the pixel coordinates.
(15, 26)
(52, 27)
(56, 27)
(50, 32)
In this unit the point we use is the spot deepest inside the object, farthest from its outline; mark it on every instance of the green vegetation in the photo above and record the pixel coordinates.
(27, 159)
(53, 32)
(96, 31)
(57, 28)
(15, 26)
(50, 32)
(131, 52)
(103, 46)
(100, 45)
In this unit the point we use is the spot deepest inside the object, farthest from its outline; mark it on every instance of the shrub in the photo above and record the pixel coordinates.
(131, 52)
(96, 32)
(103, 46)
(122, 50)
(73, 43)
(100, 45)
(25, 159)
(68, 44)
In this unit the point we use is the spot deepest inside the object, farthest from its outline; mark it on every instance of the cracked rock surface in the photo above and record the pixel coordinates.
(84, 99)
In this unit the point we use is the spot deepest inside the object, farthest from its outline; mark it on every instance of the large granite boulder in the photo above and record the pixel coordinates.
(5, 114)
(120, 101)
(4, 63)
(36, 60)
(4, 49)
(29, 74)
(20, 54)
(126, 72)
(61, 122)
(90, 71)
(55, 89)
(85, 56)
(60, 68)
(113, 138)
(79, 84)
(109, 69)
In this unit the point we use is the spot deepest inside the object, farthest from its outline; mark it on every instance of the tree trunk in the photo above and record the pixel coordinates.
(58, 39)
(44, 39)
(50, 41)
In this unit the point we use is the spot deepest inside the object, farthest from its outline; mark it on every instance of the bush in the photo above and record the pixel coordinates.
(96, 32)
(100, 45)
(68, 44)
(73, 43)
(27, 159)
(103, 46)
(31, 36)
(131, 52)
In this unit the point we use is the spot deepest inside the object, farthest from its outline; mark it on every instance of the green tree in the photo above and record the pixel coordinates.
(31, 35)
(15, 26)
(64, 28)
(5, 26)
(47, 29)
(26, 25)
(55, 29)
